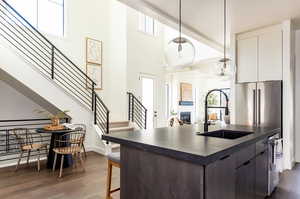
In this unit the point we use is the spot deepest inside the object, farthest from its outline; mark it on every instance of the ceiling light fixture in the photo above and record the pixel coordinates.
(223, 65)
(180, 51)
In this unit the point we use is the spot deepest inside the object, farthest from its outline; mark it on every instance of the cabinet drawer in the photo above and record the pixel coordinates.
(245, 154)
(261, 145)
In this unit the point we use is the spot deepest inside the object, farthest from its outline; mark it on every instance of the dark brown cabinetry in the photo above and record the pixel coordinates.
(261, 174)
(241, 175)
(245, 183)
(220, 178)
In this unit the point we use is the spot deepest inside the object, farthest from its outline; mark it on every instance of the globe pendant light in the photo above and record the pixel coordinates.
(223, 66)
(180, 51)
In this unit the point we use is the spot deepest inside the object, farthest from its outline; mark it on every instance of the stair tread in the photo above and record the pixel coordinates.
(118, 124)
(128, 128)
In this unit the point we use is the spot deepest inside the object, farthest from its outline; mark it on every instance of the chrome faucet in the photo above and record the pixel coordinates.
(206, 124)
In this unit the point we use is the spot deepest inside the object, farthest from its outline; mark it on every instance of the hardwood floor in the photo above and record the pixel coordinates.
(27, 183)
(289, 185)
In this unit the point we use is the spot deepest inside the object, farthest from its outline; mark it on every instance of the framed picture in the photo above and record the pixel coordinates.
(186, 92)
(94, 71)
(93, 51)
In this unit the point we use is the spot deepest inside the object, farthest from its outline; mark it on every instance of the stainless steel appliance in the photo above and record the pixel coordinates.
(260, 104)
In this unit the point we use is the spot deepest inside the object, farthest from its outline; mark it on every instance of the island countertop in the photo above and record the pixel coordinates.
(185, 144)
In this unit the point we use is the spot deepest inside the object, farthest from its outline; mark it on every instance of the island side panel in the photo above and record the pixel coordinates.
(147, 175)
(220, 178)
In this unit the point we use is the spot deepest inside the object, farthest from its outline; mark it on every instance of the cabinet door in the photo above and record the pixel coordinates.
(261, 181)
(245, 183)
(220, 178)
(270, 56)
(247, 60)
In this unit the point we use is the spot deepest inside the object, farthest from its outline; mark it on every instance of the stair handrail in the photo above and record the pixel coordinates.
(137, 112)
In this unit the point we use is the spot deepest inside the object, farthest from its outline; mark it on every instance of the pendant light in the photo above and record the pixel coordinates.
(223, 65)
(180, 51)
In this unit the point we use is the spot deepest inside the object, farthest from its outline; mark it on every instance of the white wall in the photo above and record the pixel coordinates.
(297, 98)
(145, 56)
(15, 105)
(104, 20)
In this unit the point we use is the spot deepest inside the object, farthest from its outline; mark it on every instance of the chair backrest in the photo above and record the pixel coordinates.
(70, 142)
(23, 136)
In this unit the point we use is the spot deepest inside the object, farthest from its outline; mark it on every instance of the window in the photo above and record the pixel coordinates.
(148, 25)
(46, 15)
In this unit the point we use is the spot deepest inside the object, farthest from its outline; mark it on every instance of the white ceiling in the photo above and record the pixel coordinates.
(203, 19)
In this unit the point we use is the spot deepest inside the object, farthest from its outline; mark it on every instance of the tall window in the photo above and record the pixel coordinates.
(148, 25)
(46, 15)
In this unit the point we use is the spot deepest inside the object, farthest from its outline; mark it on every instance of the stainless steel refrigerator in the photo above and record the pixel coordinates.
(259, 104)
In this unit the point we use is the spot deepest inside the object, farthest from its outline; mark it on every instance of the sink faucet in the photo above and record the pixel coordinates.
(206, 124)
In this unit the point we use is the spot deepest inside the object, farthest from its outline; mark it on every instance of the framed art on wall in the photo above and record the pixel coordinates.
(93, 51)
(94, 71)
(186, 94)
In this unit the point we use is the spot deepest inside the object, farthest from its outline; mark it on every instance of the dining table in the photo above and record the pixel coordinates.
(68, 161)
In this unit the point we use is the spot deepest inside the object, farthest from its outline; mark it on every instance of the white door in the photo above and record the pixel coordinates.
(247, 59)
(148, 99)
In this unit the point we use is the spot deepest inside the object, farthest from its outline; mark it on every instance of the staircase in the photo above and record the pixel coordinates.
(34, 61)
(30, 58)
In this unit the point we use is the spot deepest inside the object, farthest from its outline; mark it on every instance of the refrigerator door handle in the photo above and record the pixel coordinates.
(259, 106)
(254, 107)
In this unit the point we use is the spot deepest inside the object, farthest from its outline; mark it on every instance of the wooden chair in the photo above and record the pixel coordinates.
(66, 145)
(113, 160)
(27, 143)
(81, 128)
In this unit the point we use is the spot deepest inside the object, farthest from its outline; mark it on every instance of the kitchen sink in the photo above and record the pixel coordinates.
(226, 134)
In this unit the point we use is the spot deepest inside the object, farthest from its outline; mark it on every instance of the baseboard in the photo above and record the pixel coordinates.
(22, 162)
(96, 150)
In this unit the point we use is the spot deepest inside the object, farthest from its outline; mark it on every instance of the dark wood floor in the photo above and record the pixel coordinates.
(29, 184)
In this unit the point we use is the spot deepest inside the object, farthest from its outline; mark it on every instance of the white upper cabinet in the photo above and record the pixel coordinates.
(270, 56)
(247, 50)
(259, 55)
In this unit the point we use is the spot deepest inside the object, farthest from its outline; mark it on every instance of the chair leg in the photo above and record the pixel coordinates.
(61, 166)
(39, 164)
(54, 163)
(85, 156)
(109, 176)
(28, 156)
(81, 161)
(20, 158)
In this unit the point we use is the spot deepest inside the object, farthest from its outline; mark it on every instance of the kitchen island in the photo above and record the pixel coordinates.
(185, 163)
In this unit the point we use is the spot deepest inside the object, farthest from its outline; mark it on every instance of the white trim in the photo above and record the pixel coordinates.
(22, 162)
(96, 149)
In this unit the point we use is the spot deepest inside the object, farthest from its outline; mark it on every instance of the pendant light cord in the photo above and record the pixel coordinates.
(225, 29)
(180, 21)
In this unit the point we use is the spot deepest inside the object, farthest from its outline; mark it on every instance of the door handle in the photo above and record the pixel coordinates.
(259, 107)
(254, 107)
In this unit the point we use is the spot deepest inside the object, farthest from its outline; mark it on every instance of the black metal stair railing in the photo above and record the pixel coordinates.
(101, 117)
(39, 51)
(137, 112)
(9, 146)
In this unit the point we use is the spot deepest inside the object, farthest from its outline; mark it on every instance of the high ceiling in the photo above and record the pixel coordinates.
(203, 19)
